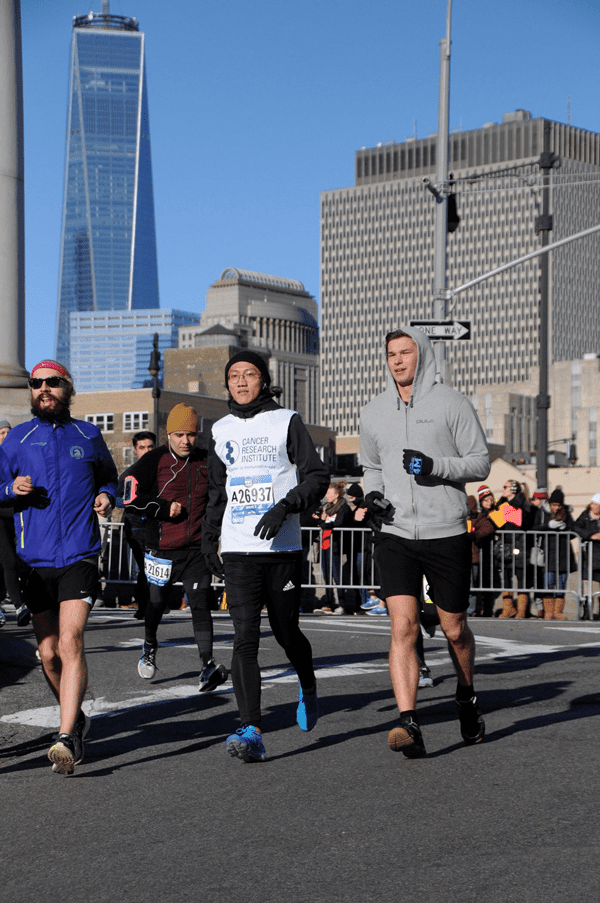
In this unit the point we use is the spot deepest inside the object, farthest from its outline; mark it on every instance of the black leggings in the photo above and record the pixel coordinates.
(252, 582)
(195, 577)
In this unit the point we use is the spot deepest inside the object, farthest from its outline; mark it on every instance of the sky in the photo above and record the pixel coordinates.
(256, 108)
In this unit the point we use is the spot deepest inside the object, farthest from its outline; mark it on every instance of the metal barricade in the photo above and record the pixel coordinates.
(518, 562)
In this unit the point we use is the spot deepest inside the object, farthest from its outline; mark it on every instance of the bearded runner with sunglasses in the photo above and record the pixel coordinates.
(58, 475)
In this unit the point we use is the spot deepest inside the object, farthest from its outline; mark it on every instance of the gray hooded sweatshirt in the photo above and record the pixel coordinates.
(441, 423)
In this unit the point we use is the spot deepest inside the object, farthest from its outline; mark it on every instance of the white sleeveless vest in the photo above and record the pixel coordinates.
(259, 474)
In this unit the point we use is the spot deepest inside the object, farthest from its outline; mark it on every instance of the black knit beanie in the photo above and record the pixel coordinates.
(249, 357)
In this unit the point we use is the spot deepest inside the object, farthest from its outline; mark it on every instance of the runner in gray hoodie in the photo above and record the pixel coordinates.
(420, 442)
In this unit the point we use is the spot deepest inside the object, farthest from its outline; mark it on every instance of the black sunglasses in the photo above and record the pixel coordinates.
(53, 382)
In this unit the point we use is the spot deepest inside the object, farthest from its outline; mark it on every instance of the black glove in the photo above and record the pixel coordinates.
(377, 504)
(416, 462)
(216, 565)
(272, 520)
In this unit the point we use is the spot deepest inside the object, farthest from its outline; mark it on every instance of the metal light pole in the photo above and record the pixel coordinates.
(154, 370)
(544, 225)
(441, 193)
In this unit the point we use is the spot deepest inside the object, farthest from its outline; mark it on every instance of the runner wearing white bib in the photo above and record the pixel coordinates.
(263, 470)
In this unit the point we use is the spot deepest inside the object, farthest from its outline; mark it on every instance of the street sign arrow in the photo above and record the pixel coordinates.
(445, 329)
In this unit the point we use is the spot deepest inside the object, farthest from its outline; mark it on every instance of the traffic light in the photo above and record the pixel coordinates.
(452, 219)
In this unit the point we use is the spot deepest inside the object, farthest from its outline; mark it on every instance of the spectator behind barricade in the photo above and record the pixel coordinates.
(335, 515)
(483, 529)
(587, 526)
(512, 550)
(537, 555)
(311, 537)
(360, 548)
(134, 525)
(560, 559)
(11, 570)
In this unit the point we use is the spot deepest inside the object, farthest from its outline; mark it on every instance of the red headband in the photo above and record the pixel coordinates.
(52, 365)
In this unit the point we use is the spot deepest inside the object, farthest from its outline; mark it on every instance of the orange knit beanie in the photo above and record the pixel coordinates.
(182, 419)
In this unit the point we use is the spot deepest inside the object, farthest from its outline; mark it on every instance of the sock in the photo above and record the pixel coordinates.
(464, 694)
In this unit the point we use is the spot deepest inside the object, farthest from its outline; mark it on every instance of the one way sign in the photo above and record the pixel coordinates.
(445, 329)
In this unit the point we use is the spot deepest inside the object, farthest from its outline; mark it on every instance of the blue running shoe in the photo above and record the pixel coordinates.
(307, 713)
(378, 610)
(371, 602)
(246, 744)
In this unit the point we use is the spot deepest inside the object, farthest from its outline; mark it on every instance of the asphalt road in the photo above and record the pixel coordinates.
(159, 812)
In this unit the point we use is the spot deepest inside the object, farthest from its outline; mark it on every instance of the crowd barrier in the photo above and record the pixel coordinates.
(513, 561)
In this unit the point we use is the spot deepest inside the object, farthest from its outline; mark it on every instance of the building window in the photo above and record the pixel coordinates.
(134, 421)
(104, 422)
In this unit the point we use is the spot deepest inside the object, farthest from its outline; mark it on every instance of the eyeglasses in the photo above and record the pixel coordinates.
(53, 382)
(249, 376)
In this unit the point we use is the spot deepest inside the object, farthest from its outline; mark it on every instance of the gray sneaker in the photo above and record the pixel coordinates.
(147, 662)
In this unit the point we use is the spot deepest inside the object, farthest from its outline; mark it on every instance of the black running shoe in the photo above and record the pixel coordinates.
(212, 676)
(407, 739)
(82, 726)
(23, 616)
(472, 725)
(62, 755)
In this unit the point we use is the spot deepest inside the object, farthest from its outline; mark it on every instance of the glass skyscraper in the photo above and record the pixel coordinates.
(108, 256)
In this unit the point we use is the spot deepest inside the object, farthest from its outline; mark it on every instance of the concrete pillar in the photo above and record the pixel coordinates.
(14, 401)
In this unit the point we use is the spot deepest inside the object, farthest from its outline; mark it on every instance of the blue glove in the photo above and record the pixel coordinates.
(272, 521)
(416, 462)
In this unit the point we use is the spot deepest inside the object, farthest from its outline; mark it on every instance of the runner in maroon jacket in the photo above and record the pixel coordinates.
(169, 487)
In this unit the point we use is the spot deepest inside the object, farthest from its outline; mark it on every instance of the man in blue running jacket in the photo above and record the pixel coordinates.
(59, 476)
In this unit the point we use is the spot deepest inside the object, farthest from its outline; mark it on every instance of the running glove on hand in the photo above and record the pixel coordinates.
(272, 521)
(216, 565)
(416, 462)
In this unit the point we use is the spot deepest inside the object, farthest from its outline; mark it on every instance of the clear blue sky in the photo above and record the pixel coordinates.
(255, 108)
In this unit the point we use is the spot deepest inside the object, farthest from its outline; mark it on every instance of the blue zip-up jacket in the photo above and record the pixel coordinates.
(69, 465)
(441, 423)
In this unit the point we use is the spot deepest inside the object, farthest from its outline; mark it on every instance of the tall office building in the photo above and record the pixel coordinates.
(111, 349)
(377, 259)
(108, 256)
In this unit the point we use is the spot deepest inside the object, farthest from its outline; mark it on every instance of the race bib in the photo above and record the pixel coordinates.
(250, 497)
(157, 570)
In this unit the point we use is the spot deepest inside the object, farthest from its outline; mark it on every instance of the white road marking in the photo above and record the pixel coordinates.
(49, 716)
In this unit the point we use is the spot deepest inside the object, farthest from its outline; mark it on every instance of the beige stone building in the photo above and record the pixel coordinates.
(272, 315)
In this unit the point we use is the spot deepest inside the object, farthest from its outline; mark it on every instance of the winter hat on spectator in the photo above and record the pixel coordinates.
(483, 491)
(540, 494)
(355, 491)
(558, 496)
(5, 425)
(182, 419)
(596, 498)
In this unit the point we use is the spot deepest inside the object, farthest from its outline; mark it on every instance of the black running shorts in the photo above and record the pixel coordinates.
(46, 588)
(445, 563)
